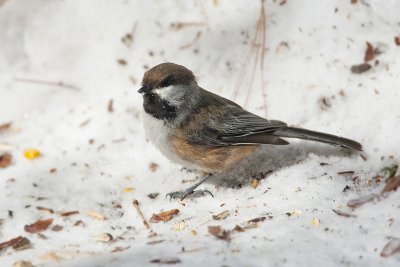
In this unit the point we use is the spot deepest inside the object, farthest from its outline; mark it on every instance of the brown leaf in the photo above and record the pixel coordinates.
(344, 214)
(357, 69)
(166, 261)
(69, 213)
(369, 53)
(392, 247)
(219, 233)
(392, 184)
(256, 220)
(153, 167)
(221, 216)
(397, 40)
(5, 160)
(5, 126)
(354, 2)
(238, 229)
(38, 226)
(110, 106)
(23, 264)
(10, 242)
(164, 216)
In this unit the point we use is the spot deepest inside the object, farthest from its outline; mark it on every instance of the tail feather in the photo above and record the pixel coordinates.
(292, 132)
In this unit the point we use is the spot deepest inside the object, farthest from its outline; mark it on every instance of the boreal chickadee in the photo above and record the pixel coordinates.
(198, 129)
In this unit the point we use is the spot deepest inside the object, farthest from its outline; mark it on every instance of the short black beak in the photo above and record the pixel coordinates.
(141, 90)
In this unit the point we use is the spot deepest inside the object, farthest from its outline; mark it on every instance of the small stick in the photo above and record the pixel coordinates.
(50, 83)
(136, 205)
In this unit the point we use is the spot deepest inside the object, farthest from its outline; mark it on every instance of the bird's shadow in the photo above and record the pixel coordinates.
(269, 158)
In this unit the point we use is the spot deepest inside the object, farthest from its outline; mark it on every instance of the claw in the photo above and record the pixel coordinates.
(183, 194)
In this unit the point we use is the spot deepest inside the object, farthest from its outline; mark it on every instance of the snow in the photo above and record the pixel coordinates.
(79, 43)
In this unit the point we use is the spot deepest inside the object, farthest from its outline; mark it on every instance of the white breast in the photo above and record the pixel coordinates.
(159, 134)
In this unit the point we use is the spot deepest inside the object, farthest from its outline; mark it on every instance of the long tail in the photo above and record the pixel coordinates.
(292, 132)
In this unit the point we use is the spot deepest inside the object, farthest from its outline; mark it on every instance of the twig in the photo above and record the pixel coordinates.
(49, 83)
(192, 42)
(256, 49)
(136, 205)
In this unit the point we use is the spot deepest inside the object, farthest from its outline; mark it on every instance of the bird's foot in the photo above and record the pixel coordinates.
(188, 192)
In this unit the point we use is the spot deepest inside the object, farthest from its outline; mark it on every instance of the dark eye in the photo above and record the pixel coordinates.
(166, 81)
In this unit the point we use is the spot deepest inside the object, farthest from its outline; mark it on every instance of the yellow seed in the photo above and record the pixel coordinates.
(180, 225)
(128, 189)
(193, 232)
(31, 153)
(254, 183)
(315, 222)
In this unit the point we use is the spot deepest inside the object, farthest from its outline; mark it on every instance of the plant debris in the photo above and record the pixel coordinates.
(353, 203)
(219, 233)
(57, 228)
(23, 264)
(5, 126)
(180, 225)
(110, 106)
(166, 260)
(153, 195)
(31, 153)
(346, 173)
(254, 183)
(369, 53)
(358, 69)
(69, 213)
(136, 205)
(257, 220)
(397, 40)
(392, 247)
(18, 243)
(103, 237)
(38, 226)
(392, 184)
(221, 216)
(5, 160)
(95, 215)
(344, 214)
(389, 171)
(153, 167)
(164, 216)
(46, 210)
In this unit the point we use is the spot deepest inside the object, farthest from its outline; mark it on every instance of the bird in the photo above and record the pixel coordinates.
(200, 130)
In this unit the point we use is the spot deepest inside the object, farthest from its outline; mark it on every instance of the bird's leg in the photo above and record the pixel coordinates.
(190, 190)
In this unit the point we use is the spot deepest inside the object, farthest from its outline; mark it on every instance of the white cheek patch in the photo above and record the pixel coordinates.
(171, 94)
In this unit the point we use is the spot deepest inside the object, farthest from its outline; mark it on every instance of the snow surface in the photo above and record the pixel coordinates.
(79, 43)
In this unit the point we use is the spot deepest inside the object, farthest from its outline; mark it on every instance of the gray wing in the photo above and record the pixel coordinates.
(218, 121)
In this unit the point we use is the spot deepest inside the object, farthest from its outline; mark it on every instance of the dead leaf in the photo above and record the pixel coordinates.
(219, 233)
(103, 237)
(238, 229)
(166, 260)
(153, 167)
(5, 126)
(10, 242)
(46, 210)
(110, 106)
(354, 1)
(69, 213)
(392, 184)
(256, 220)
(5, 160)
(164, 216)
(22, 244)
(358, 69)
(392, 247)
(397, 40)
(369, 53)
(38, 226)
(221, 216)
(344, 214)
(153, 195)
(180, 225)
